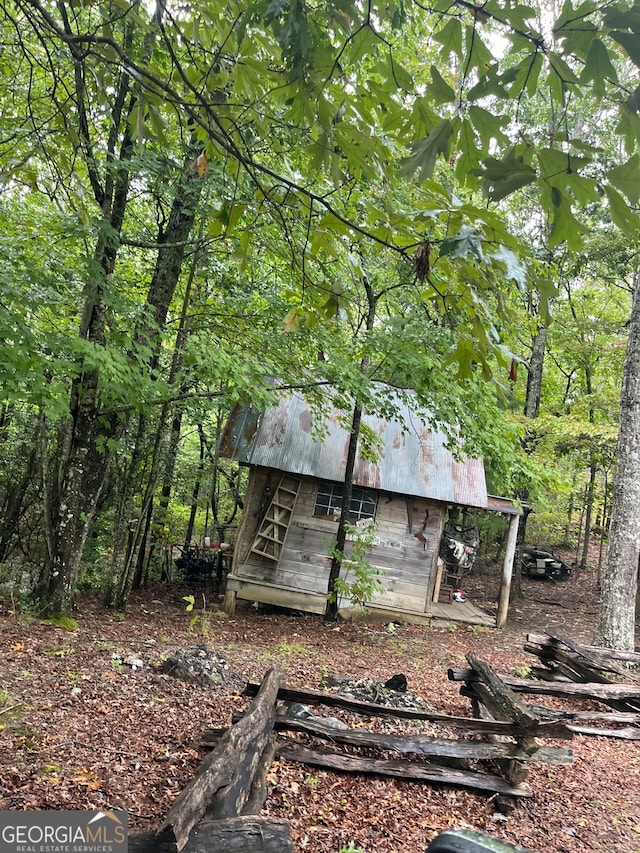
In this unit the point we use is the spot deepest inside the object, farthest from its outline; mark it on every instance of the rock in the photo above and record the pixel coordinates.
(296, 709)
(333, 722)
(368, 690)
(130, 660)
(198, 665)
(397, 682)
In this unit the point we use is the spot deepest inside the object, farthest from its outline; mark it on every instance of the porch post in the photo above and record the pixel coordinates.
(507, 572)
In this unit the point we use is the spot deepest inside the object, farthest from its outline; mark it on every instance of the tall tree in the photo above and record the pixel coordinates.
(616, 616)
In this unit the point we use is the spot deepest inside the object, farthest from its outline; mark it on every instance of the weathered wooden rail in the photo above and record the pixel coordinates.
(219, 808)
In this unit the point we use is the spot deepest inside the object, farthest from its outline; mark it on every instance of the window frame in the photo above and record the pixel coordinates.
(329, 498)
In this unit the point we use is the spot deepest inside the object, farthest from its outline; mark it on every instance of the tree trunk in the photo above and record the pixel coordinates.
(71, 493)
(567, 529)
(83, 470)
(13, 500)
(196, 489)
(515, 594)
(331, 611)
(534, 376)
(531, 410)
(588, 514)
(616, 617)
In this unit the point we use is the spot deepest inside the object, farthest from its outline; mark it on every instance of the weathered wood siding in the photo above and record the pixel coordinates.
(408, 562)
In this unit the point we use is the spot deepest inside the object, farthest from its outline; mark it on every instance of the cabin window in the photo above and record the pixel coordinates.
(329, 502)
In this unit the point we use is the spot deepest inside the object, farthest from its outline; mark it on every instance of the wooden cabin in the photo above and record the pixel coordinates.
(294, 496)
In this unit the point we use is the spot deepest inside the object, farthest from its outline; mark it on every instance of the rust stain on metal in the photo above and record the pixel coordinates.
(306, 421)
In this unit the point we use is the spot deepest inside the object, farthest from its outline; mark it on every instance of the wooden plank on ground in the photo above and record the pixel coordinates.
(225, 778)
(233, 835)
(259, 788)
(512, 707)
(604, 692)
(241, 835)
(405, 770)
(597, 660)
(609, 654)
(587, 716)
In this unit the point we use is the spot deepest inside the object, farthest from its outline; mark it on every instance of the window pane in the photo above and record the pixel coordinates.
(329, 501)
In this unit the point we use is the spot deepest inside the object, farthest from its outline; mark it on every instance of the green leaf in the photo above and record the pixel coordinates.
(513, 268)
(491, 84)
(397, 74)
(425, 151)
(519, 17)
(621, 215)
(629, 127)
(503, 177)
(559, 169)
(619, 17)
(440, 91)
(488, 125)
(577, 40)
(627, 178)
(562, 70)
(364, 42)
(469, 158)
(465, 356)
(465, 242)
(565, 227)
(527, 76)
(631, 43)
(450, 37)
(570, 16)
(478, 54)
(598, 68)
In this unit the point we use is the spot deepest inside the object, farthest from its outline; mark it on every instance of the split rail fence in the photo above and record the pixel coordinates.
(220, 809)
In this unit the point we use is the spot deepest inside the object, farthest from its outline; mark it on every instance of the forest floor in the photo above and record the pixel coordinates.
(80, 729)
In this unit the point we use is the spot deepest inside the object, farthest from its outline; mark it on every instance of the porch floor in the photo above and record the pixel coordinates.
(461, 611)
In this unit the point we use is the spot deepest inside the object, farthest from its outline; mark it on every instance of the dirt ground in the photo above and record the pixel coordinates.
(81, 728)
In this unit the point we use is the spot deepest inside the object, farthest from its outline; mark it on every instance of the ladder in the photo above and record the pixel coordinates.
(269, 540)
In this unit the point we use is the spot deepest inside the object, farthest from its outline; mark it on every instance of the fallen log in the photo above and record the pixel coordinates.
(625, 733)
(469, 724)
(259, 788)
(486, 706)
(574, 668)
(586, 716)
(233, 835)
(293, 751)
(241, 835)
(226, 776)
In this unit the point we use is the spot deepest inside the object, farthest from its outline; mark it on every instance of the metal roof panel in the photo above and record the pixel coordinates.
(413, 461)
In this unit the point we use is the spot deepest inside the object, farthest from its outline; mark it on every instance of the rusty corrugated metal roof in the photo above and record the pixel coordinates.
(413, 460)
